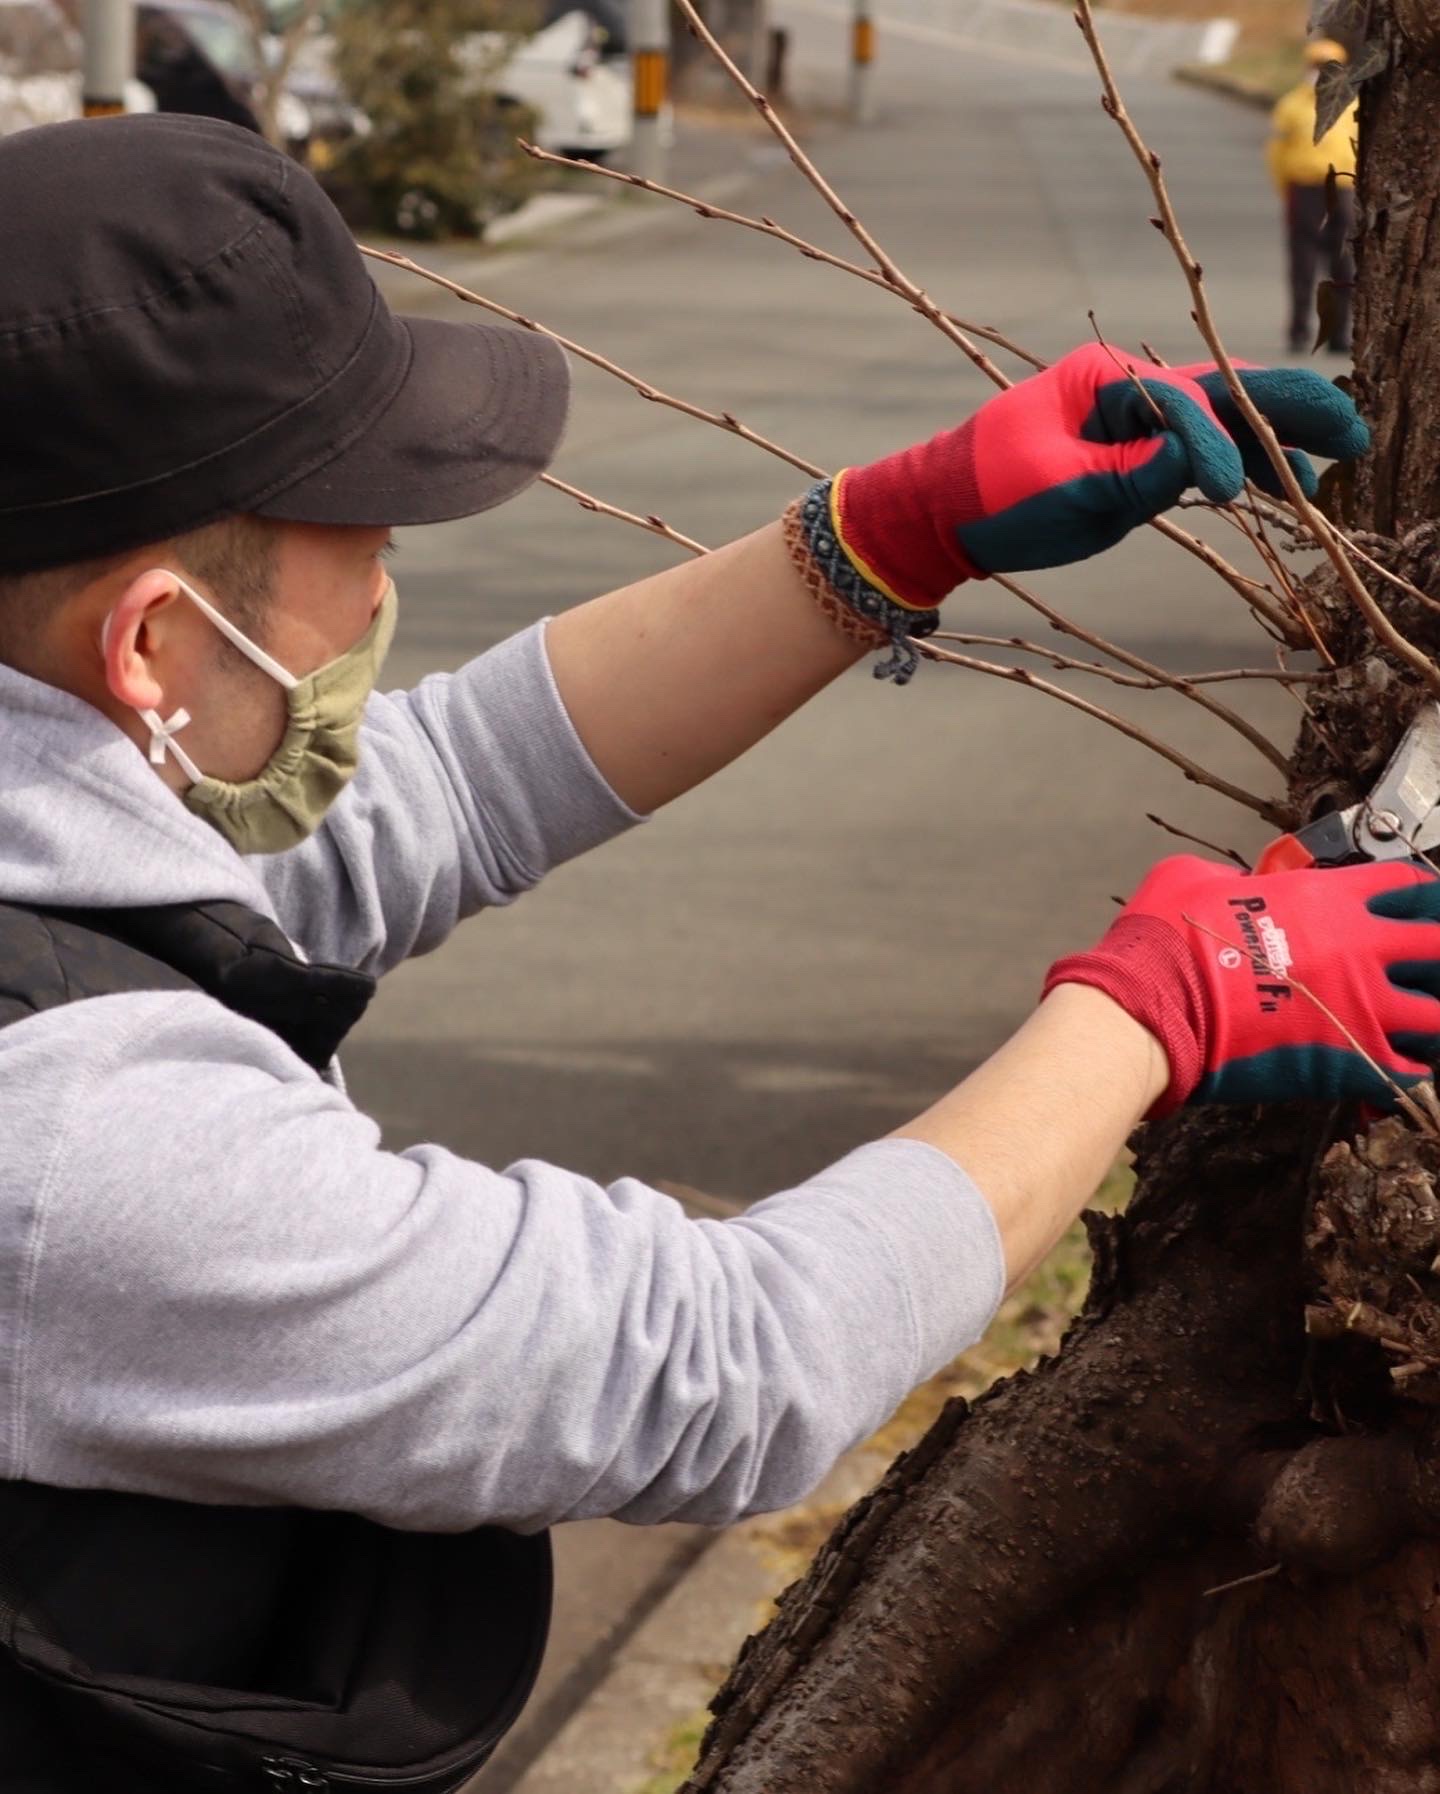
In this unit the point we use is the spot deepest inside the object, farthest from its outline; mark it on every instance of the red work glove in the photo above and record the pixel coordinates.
(1211, 960)
(1065, 463)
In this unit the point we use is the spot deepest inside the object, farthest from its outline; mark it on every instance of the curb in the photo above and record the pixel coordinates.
(1039, 31)
(1233, 87)
(544, 213)
(659, 1686)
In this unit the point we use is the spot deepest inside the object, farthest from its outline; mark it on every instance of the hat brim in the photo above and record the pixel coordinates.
(476, 419)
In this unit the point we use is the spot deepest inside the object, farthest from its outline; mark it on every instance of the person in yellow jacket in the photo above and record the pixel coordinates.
(1319, 214)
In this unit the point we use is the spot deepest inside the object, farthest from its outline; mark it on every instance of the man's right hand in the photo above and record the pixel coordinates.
(1277, 987)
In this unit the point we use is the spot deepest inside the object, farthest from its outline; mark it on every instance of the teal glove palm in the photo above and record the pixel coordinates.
(1306, 411)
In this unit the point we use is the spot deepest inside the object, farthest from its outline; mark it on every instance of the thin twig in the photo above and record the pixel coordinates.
(1182, 834)
(1402, 1096)
(1137, 663)
(1196, 774)
(723, 420)
(1254, 591)
(1314, 520)
(1160, 681)
(1127, 369)
(1322, 734)
(1396, 579)
(1282, 514)
(888, 278)
(901, 283)
(767, 227)
(1398, 1091)
(1270, 555)
(657, 526)
(1222, 1588)
(893, 276)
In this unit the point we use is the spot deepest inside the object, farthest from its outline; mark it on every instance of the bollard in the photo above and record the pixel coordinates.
(862, 57)
(108, 28)
(650, 61)
(773, 86)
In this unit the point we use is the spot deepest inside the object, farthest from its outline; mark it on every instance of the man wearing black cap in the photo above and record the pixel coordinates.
(283, 1416)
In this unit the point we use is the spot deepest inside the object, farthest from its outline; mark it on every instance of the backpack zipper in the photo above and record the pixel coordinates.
(289, 1775)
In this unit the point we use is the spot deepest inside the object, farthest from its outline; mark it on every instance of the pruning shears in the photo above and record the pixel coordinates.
(1398, 820)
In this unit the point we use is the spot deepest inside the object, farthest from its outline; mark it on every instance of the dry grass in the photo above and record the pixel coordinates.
(1028, 1327)
(1261, 21)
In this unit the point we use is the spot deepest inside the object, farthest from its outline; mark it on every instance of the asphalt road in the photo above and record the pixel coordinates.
(806, 951)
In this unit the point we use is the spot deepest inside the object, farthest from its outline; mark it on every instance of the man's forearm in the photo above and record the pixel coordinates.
(1039, 1124)
(671, 678)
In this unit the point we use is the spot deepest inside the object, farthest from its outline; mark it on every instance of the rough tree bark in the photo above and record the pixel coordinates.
(1025, 1602)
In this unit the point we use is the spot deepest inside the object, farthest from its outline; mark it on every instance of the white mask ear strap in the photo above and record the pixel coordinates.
(237, 637)
(162, 741)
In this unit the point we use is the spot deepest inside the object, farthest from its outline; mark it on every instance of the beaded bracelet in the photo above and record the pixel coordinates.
(859, 610)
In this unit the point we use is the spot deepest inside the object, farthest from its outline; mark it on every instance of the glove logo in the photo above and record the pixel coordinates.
(1267, 948)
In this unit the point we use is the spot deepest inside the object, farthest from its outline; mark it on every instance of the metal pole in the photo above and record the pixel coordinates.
(758, 57)
(108, 27)
(650, 59)
(862, 57)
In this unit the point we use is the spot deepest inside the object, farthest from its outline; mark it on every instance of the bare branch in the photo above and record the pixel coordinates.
(723, 420)
(1255, 593)
(1262, 601)
(1315, 520)
(1183, 834)
(1281, 515)
(1197, 774)
(1395, 579)
(767, 227)
(888, 270)
(1223, 1588)
(1223, 712)
(1259, 540)
(657, 526)
(1161, 681)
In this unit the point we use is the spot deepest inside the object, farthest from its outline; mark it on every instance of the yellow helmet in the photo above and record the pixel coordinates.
(1324, 49)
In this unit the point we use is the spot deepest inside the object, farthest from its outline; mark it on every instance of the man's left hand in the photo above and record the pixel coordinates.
(1066, 463)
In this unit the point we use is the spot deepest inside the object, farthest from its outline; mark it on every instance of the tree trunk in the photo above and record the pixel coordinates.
(1031, 1600)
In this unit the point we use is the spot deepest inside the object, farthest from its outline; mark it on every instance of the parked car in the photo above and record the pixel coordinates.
(195, 56)
(574, 72)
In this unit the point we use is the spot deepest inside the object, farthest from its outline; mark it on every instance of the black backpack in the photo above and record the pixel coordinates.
(150, 1646)
(260, 1649)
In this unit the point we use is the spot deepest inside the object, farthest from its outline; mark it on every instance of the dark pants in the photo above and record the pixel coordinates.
(1318, 226)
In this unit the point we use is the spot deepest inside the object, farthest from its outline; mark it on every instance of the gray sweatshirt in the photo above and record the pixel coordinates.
(216, 1284)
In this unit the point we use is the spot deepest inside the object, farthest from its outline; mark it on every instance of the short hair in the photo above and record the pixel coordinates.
(234, 558)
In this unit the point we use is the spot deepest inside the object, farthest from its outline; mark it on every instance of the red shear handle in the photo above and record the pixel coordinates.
(1285, 854)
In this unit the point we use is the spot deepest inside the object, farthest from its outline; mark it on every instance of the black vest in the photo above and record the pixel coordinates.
(164, 1647)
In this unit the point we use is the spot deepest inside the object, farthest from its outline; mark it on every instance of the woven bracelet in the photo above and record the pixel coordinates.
(858, 609)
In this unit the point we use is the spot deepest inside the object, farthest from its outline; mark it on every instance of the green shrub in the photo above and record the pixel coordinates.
(440, 157)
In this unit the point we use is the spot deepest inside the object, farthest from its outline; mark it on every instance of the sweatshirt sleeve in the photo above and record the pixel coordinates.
(470, 789)
(234, 1294)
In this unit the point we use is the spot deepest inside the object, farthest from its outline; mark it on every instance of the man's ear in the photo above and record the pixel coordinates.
(128, 638)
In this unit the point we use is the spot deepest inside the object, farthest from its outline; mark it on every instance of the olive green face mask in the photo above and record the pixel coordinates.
(287, 799)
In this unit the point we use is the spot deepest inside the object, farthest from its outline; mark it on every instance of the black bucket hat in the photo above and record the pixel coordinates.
(187, 330)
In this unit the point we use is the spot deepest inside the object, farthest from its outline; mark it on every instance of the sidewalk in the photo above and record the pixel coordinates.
(639, 1729)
